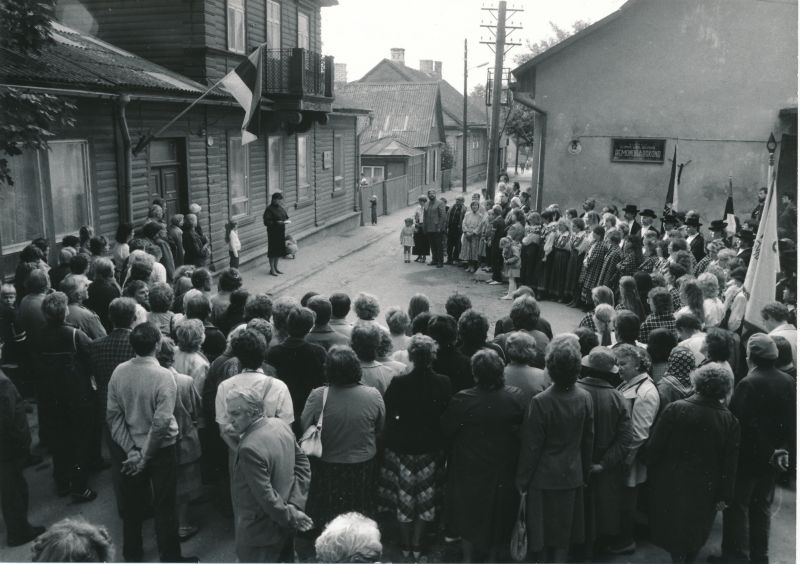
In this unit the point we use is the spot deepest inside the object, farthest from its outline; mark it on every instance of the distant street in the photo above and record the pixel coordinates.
(377, 269)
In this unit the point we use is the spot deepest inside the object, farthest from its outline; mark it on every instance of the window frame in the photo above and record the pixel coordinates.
(303, 190)
(272, 22)
(87, 174)
(301, 14)
(247, 192)
(338, 160)
(231, 46)
(372, 169)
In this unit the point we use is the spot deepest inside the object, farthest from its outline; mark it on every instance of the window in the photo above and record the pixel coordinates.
(372, 173)
(303, 167)
(58, 176)
(236, 26)
(275, 164)
(238, 177)
(273, 25)
(338, 162)
(303, 31)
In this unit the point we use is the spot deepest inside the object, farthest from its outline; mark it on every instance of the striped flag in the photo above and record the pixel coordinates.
(671, 203)
(729, 215)
(759, 284)
(244, 84)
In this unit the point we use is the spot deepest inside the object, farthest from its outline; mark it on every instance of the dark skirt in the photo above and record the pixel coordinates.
(557, 274)
(574, 273)
(555, 518)
(530, 264)
(276, 241)
(421, 245)
(338, 488)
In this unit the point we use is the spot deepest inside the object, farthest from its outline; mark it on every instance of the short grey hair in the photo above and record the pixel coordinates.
(191, 334)
(72, 285)
(350, 537)
(73, 540)
(366, 307)
(252, 399)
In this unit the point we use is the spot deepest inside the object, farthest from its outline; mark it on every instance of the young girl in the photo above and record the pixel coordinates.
(407, 238)
(234, 245)
(511, 260)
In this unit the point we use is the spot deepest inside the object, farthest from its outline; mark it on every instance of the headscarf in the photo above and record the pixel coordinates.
(681, 363)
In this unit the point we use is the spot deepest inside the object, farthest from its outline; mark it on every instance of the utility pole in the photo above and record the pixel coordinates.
(464, 135)
(499, 46)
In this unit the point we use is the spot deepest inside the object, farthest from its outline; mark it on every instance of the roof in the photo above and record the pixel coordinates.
(558, 47)
(78, 59)
(406, 111)
(452, 99)
(389, 147)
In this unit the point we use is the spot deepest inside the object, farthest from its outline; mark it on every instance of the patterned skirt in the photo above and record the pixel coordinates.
(470, 248)
(338, 488)
(409, 485)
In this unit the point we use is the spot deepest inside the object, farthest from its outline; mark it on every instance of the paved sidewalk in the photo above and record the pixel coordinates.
(316, 256)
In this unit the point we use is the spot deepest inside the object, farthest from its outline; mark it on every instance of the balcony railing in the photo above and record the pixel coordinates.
(297, 72)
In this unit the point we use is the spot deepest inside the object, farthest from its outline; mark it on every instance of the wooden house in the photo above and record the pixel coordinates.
(130, 67)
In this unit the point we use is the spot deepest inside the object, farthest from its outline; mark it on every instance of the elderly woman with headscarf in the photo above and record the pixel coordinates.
(676, 384)
(195, 249)
(556, 455)
(175, 238)
(692, 456)
(481, 425)
(413, 459)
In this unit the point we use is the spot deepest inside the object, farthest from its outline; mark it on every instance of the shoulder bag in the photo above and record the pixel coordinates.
(519, 536)
(311, 441)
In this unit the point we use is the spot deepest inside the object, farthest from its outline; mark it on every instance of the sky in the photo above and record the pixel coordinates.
(361, 32)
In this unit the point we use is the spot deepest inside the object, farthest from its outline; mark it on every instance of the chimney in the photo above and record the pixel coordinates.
(426, 66)
(437, 69)
(339, 73)
(398, 55)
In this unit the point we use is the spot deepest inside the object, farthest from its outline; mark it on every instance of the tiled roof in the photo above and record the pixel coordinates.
(80, 60)
(389, 147)
(402, 110)
(452, 99)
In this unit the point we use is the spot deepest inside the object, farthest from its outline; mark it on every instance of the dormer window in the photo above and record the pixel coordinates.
(235, 14)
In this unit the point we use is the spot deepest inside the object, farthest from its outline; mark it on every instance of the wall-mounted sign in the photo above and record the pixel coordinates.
(327, 159)
(638, 150)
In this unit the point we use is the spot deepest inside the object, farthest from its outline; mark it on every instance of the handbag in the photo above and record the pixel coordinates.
(519, 537)
(311, 441)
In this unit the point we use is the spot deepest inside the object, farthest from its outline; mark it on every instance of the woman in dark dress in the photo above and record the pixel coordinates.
(482, 426)
(421, 246)
(275, 220)
(556, 455)
(692, 456)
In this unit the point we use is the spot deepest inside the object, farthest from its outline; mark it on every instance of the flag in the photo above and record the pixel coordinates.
(759, 284)
(671, 203)
(728, 215)
(244, 83)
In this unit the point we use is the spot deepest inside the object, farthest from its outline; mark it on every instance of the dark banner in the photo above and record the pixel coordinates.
(638, 150)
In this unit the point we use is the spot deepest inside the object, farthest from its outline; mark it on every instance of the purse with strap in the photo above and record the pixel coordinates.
(311, 441)
(519, 536)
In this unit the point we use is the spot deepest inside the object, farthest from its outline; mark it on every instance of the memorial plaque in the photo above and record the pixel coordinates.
(638, 150)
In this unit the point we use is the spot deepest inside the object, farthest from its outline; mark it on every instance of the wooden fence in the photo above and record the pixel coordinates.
(392, 195)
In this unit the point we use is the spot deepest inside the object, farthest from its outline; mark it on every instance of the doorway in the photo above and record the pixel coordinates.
(167, 179)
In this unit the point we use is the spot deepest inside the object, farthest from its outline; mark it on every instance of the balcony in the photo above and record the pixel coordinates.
(298, 79)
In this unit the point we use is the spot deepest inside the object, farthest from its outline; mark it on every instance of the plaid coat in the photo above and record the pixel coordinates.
(592, 270)
(609, 274)
(654, 322)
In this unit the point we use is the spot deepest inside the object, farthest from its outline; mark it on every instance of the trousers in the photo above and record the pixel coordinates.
(435, 238)
(453, 245)
(279, 552)
(159, 479)
(14, 498)
(749, 512)
(72, 437)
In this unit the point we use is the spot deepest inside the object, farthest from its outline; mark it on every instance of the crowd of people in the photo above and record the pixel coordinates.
(656, 412)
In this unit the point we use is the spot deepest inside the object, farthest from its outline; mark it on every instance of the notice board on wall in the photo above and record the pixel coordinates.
(629, 150)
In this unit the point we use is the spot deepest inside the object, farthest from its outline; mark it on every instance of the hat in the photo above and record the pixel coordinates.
(718, 225)
(746, 234)
(739, 273)
(601, 359)
(647, 212)
(693, 221)
(194, 208)
(761, 345)
(631, 208)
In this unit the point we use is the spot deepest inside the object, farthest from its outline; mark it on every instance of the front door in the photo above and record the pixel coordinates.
(167, 176)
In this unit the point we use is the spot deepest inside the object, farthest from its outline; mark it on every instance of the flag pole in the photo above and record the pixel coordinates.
(145, 140)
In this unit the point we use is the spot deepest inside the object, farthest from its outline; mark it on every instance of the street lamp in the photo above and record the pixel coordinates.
(771, 146)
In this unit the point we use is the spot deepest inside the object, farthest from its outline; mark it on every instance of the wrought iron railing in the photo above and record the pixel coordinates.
(298, 72)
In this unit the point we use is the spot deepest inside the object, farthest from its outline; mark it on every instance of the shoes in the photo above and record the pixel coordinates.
(278, 271)
(84, 496)
(273, 273)
(507, 297)
(187, 532)
(33, 532)
(625, 549)
(494, 283)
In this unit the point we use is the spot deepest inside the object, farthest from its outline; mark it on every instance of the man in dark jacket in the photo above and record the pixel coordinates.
(697, 244)
(15, 442)
(434, 222)
(455, 217)
(764, 403)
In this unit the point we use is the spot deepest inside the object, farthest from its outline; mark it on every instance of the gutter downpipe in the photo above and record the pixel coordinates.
(124, 164)
(528, 101)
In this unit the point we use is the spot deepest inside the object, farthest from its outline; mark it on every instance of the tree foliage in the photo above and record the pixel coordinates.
(27, 119)
(447, 159)
(520, 123)
(559, 34)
